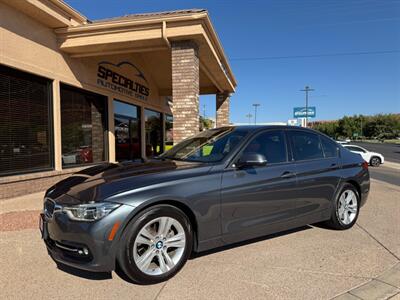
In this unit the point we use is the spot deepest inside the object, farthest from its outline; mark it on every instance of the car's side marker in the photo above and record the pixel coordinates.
(113, 231)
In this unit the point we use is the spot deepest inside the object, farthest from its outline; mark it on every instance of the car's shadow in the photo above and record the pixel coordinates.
(247, 242)
(108, 275)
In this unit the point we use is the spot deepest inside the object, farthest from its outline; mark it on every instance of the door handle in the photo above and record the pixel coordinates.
(333, 166)
(288, 174)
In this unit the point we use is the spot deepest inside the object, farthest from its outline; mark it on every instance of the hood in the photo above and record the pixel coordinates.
(102, 181)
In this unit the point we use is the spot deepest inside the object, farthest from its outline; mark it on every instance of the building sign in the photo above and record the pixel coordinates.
(300, 112)
(124, 78)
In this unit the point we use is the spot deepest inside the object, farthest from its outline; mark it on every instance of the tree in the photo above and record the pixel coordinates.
(381, 126)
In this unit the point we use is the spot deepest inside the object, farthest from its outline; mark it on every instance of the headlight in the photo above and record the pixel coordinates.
(90, 212)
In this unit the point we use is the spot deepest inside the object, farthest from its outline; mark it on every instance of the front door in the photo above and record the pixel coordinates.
(256, 201)
(127, 131)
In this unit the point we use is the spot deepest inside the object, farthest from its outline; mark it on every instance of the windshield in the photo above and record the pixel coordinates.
(208, 146)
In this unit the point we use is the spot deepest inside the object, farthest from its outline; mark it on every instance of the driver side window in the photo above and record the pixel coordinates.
(271, 144)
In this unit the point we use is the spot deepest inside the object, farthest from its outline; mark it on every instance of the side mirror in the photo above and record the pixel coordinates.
(251, 160)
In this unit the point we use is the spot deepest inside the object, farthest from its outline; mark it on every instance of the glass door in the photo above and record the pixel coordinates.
(127, 131)
(154, 133)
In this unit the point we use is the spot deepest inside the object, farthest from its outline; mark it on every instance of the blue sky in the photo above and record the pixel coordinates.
(278, 32)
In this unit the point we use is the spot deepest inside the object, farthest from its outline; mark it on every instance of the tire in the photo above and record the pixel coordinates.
(375, 161)
(147, 254)
(344, 216)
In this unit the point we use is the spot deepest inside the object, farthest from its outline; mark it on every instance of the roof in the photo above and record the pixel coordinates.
(150, 15)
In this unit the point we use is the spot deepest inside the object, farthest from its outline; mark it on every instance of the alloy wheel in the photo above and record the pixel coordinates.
(347, 207)
(375, 161)
(159, 246)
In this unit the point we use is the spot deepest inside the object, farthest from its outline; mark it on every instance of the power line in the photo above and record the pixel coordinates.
(313, 55)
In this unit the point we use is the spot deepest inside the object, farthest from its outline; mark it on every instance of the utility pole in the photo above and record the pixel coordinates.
(249, 117)
(204, 111)
(307, 89)
(255, 112)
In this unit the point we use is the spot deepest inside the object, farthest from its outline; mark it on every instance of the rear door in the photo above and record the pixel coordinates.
(318, 173)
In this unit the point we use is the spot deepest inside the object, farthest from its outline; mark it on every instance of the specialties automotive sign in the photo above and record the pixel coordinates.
(123, 77)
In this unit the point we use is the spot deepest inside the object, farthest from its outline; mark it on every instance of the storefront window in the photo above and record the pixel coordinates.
(25, 122)
(127, 131)
(83, 128)
(154, 133)
(169, 139)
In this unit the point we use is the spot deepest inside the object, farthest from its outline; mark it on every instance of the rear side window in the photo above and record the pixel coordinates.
(330, 147)
(271, 144)
(305, 145)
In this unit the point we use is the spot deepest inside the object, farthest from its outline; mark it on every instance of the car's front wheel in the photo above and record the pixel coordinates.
(156, 244)
(375, 161)
(346, 208)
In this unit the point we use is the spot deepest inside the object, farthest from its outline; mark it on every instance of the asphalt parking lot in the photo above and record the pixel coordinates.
(309, 263)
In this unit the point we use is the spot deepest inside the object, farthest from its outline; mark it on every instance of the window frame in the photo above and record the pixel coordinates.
(106, 127)
(240, 151)
(139, 117)
(321, 137)
(50, 126)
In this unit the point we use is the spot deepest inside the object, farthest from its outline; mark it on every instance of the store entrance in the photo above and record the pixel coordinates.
(127, 131)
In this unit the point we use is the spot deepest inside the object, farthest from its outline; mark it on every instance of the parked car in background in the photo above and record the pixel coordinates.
(217, 188)
(373, 158)
(346, 141)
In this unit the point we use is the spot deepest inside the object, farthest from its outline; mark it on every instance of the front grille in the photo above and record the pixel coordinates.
(49, 206)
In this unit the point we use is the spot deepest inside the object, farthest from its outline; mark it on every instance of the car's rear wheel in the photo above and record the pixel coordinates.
(346, 208)
(156, 244)
(375, 161)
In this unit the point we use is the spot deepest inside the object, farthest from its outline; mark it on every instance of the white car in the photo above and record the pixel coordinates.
(373, 158)
(346, 141)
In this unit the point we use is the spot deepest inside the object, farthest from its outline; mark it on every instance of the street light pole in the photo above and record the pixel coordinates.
(255, 112)
(307, 89)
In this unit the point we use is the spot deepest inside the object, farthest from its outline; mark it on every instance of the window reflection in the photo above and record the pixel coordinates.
(169, 138)
(153, 128)
(82, 126)
(127, 131)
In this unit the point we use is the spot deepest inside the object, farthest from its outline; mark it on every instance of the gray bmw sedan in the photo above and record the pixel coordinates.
(219, 187)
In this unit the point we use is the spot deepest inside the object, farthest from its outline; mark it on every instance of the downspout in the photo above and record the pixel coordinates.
(164, 34)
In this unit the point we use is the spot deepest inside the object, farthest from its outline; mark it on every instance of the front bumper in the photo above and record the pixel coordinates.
(84, 245)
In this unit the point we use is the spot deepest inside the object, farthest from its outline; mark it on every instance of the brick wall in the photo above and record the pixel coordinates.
(222, 106)
(18, 185)
(185, 89)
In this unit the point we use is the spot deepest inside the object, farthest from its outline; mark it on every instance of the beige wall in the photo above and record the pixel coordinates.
(29, 46)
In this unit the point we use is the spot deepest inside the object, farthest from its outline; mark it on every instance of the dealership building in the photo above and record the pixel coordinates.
(75, 92)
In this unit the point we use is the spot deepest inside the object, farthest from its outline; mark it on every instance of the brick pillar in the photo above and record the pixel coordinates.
(222, 106)
(185, 89)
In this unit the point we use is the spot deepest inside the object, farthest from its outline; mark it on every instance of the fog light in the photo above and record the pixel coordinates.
(85, 251)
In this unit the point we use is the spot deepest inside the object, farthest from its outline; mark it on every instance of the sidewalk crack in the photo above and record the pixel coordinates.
(376, 240)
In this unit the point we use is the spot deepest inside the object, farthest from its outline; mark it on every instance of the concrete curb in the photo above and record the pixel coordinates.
(384, 286)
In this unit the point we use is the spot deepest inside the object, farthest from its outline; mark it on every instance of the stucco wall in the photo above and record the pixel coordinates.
(28, 45)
